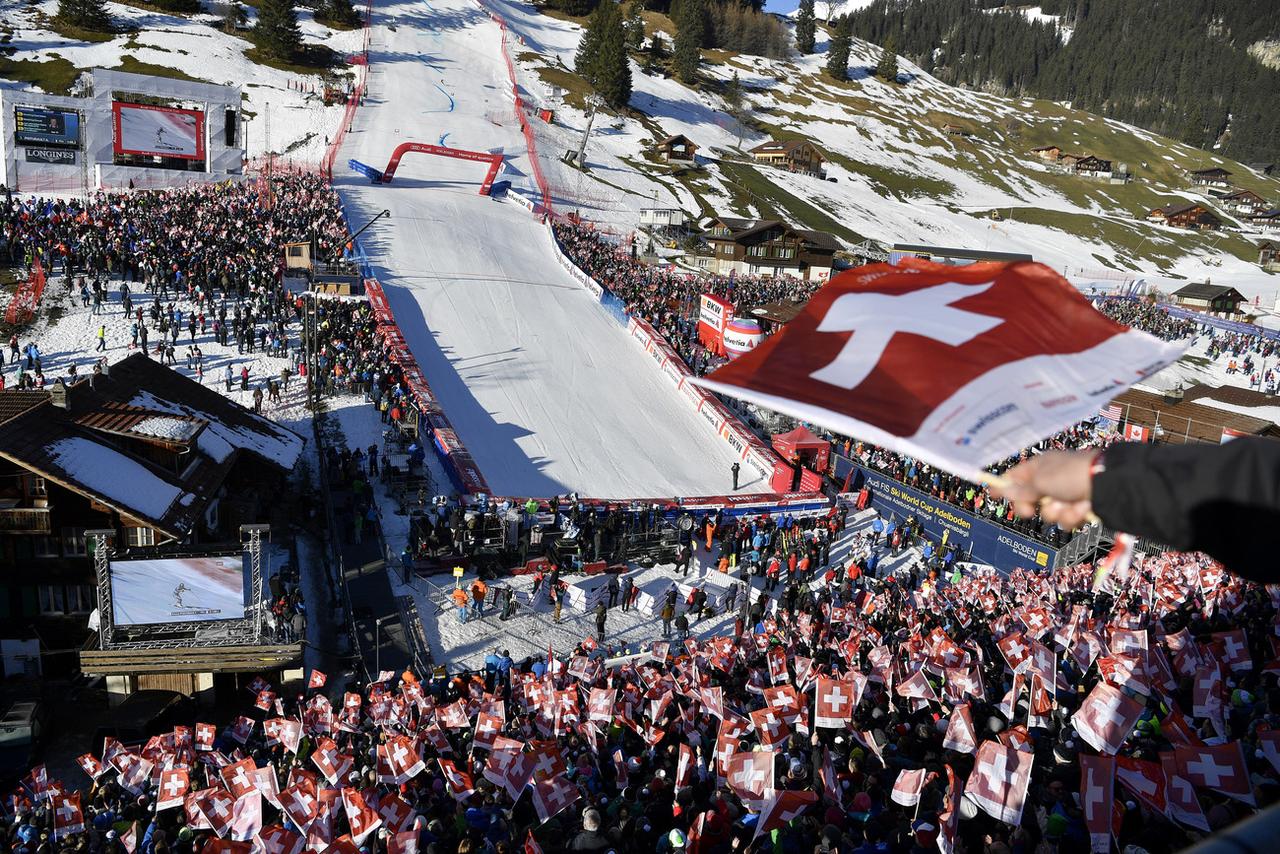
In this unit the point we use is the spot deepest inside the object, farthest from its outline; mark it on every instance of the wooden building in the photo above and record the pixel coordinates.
(1188, 215)
(794, 155)
(1215, 176)
(770, 248)
(1185, 420)
(141, 450)
(1269, 256)
(1244, 203)
(1048, 153)
(677, 148)
(1204, 296)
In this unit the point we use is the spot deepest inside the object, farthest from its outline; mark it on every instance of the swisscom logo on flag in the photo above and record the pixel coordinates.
(957, 366)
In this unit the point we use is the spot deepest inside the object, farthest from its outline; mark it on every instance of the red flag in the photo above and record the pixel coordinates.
(999, 780)
(1145, 780)
(1184, 806)
(173, 789)
(68, 818)
(216, 805)
(771, 728)
(1106, 718)
(300, 805)
(405, 842)
(205, 734)
(949, 815)
(1235, 649)
(280, 840)
(957, 366)
(960, 735)
(1097, 785)
(238, 778)
(553, 794)
(782, 808)
(750, 776)
(396, 813)
(129, 839)
(317, 679)
(907, 786)
(360, 816)
(487, 728)
(683, 766)
(1221, 768)
(600, 705)
(91, 765)
(460, 785)
(833, 703)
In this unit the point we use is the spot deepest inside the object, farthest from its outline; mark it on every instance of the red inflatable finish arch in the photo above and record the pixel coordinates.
(494, 160)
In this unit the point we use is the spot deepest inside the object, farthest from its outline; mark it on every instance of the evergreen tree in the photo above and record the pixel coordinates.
(887, 68)
(612, 66)
(577, 8)
(584, 61)
(690, 31)
(276, 32)
(635, 25)
(658, 47)
(805, 27)
(85, 14)
(838, 52)
(340, 13)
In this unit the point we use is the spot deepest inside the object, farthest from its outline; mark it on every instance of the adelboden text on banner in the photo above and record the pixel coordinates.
(959, 366)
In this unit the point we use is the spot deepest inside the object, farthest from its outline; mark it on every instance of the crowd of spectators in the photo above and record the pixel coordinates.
(667, 297)
(712, 747)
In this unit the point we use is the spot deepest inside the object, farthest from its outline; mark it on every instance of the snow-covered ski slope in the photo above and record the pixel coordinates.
(548, 393)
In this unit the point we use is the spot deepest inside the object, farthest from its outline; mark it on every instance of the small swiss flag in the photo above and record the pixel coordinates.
(959, 366)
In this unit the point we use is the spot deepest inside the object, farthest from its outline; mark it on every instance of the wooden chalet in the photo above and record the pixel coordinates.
(1267, 222)
(769, 248)
(1215, 176)
(1093, 167)
(1205, 296)
(794, 155)
(1049, 153)
(677, 148)
(1188, 215)
(1244, 203)
(1269, 256)
(141, 450)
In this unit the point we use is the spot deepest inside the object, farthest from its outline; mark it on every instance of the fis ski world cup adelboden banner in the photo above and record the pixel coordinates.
(177, 590)
(158, 131)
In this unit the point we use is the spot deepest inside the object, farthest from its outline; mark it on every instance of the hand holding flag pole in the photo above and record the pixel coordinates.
(957, 366)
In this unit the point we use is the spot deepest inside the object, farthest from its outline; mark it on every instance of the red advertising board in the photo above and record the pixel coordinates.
(713, 315)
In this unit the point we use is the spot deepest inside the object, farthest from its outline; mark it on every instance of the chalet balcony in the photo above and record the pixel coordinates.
(25, 520)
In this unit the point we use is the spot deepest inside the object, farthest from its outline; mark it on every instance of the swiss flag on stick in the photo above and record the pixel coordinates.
(783, 807)
(1106, 718)
(958, 366)
(1097, 794)
(1221, 768)
(999, 781)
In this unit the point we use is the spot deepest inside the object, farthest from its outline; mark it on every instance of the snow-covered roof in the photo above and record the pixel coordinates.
(92, 439)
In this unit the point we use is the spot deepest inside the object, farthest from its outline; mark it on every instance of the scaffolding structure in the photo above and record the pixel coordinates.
(245, 631)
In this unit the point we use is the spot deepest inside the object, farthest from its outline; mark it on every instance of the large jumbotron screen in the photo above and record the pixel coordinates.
(177, 590)
(158, 131)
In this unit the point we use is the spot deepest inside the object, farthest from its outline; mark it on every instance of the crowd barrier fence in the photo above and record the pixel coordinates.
(982, 540)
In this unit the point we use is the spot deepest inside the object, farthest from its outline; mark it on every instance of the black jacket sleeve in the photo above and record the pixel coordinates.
(1223, 500)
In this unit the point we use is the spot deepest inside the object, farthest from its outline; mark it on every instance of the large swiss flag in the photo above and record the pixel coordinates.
(958, 366)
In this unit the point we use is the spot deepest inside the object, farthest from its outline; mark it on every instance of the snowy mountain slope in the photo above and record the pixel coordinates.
(899, 176)
(188, 46)
(547, 391)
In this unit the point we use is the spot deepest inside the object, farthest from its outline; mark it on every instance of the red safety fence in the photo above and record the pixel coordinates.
(521, 113)
(356, 95)
(22, 308)
(460, 465)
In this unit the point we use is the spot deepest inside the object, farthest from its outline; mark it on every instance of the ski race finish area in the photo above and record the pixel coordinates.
(548, 393)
